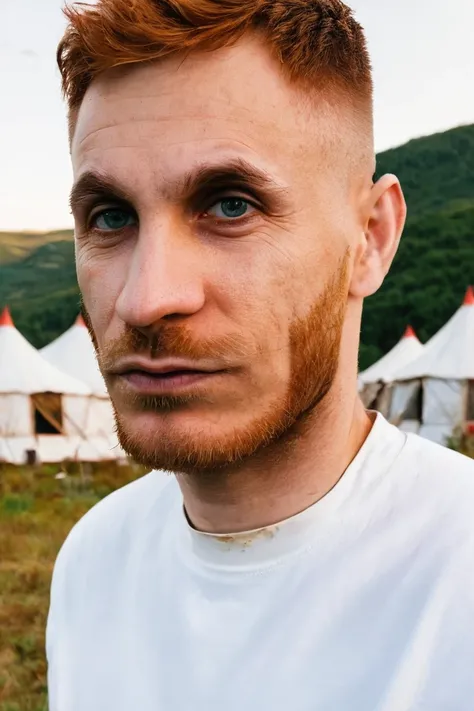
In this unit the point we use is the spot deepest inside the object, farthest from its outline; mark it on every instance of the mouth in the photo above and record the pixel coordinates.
(166, 381)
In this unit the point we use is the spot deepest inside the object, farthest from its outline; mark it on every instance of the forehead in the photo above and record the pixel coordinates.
(160, 113)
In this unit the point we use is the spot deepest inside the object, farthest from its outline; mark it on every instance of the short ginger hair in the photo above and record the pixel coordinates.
(318, 43)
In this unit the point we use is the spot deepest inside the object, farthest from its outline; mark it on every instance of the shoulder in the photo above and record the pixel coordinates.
(438, 483)
(439, 464)
(100, 546)
(120, 518)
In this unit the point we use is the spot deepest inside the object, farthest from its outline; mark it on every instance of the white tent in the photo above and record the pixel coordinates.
(74, 354)
(407, 349)
(434, 394)
(46, 411)
(375, 382)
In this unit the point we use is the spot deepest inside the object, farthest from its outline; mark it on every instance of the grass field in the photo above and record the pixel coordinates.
(36, 513)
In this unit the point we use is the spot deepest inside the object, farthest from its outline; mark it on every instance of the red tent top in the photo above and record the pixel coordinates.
(80, 321)
(469, 298)
(5, 317)
(410, 333)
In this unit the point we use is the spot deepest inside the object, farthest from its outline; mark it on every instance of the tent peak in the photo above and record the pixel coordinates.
(409, 332)
(469, 298)
(5, 317)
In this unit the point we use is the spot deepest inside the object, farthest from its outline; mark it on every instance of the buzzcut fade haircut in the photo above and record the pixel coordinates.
(318, 43)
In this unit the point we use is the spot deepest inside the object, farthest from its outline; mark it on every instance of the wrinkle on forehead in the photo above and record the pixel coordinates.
(242, 85)
(165, 131)
(154, 124)
(164, 138)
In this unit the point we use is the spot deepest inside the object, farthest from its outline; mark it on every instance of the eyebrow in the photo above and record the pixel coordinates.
(235, 170)
(93, 185)
(234, 173)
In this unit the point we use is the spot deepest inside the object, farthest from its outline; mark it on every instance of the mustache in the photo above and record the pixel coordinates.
(166, 341)
(171, 342)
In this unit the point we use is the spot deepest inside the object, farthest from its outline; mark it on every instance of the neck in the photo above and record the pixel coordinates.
(277, 485)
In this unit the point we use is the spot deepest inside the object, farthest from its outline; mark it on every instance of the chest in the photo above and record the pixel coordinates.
(291, 640)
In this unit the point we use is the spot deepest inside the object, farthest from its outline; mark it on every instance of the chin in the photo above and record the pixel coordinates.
(185, 442)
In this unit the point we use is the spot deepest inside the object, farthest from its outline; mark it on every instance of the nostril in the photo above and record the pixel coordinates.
(172, 317)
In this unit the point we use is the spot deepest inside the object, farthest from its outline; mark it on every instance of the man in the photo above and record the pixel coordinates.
(304, 554)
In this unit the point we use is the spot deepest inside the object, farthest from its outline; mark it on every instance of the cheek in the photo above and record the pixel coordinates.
(101, 276)
(257, 297)
(247, 287)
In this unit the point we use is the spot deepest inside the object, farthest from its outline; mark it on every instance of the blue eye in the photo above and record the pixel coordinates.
(113, 219)
(231, 208)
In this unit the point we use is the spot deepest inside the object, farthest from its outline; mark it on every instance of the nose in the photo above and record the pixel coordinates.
(164, 279)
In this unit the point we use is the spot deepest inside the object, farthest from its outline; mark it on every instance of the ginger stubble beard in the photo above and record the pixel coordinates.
(314, 348)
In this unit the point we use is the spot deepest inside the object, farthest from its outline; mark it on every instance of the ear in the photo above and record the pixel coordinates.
(386, 214)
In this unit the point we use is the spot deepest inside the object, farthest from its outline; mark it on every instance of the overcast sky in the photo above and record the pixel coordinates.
(422, 52)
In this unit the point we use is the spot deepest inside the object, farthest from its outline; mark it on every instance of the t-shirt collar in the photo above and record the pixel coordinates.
(273, 544)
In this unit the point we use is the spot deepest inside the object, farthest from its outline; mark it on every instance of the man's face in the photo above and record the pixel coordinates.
(213, 253)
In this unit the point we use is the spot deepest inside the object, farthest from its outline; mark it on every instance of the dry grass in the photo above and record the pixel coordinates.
(36, 513)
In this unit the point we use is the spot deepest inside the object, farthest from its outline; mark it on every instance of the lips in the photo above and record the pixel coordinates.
(172, 383)
(139, 375)
(165, 374)
(163, 380)
(163, 367)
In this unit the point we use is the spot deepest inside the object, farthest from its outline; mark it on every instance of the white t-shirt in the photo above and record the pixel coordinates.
(364, 602)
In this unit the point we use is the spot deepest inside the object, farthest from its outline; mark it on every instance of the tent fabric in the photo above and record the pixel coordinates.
(55, 448)
(15, 416)
(449, 355)
(443, 401)
(436, 433)
(30, 385)
(402, 396)
(445, 372)
(87, 417)
(73, 353)
(384, 370)
(443, 407)
(81, 416)
(24, 371)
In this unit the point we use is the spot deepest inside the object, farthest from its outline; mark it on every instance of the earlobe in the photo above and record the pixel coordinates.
(386, 214)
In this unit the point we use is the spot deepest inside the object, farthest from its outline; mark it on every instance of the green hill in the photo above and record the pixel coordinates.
(434, 265)
(41, 290)
(15, 246)
(435, 171)
(435, 261)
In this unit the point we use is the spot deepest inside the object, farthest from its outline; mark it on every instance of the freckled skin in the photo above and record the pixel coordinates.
(146, 127)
